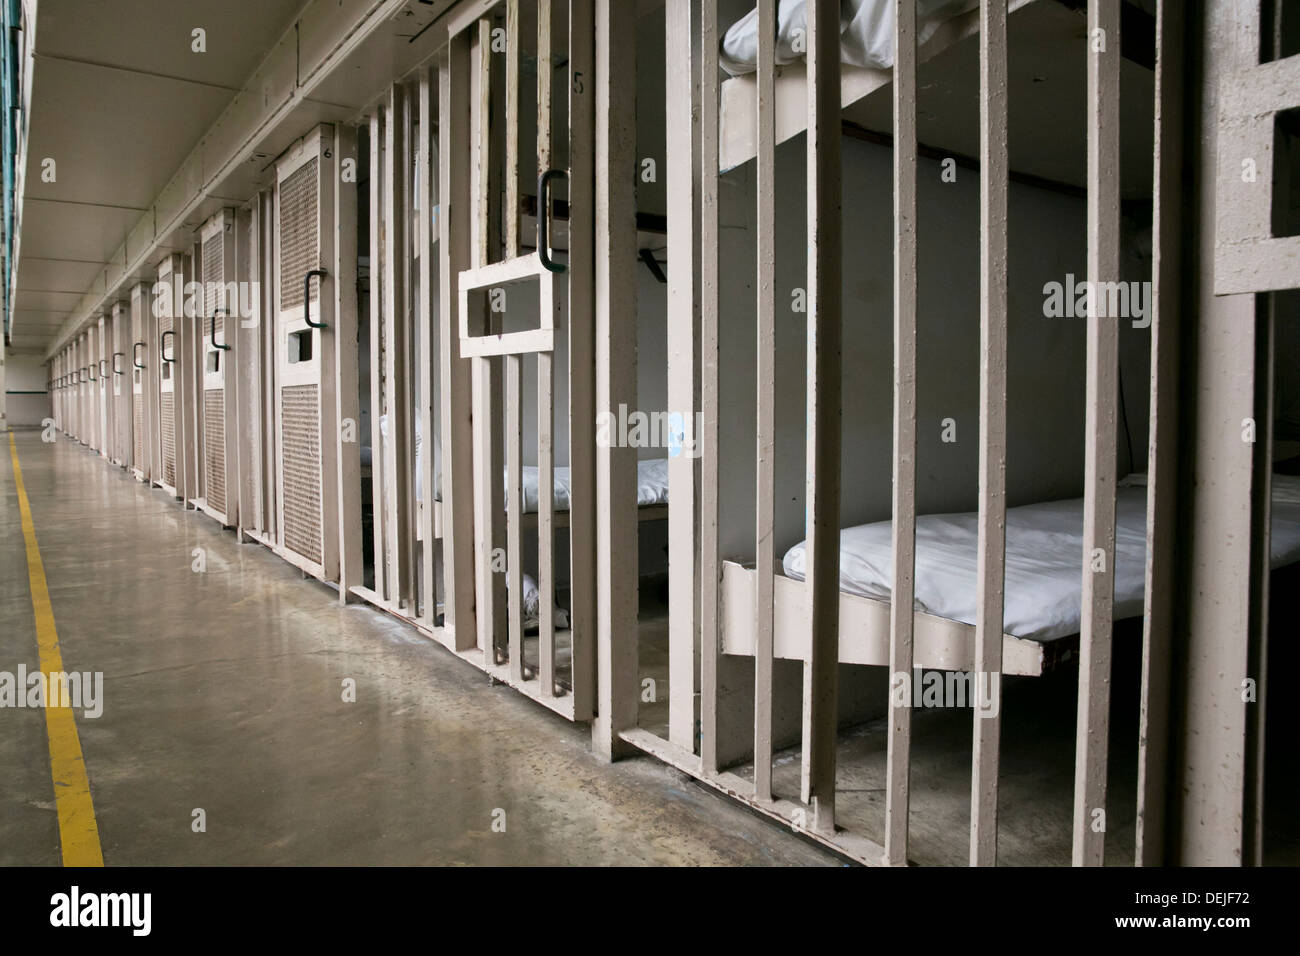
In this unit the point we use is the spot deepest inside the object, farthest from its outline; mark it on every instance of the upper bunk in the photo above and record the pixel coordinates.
(1047, 79)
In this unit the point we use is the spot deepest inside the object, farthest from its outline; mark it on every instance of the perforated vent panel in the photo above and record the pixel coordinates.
(214, 447)
(300, 428)
(299, 241)
(137, 417)
(168, 439)
(213, 277)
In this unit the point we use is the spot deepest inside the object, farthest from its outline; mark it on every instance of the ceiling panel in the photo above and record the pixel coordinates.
(116, 137)
(54, 230)
(48, 301)
(60, 275)
(154, 36)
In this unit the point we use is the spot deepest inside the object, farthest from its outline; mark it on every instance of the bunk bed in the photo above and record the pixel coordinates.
(1044, 73)
(1044, 561)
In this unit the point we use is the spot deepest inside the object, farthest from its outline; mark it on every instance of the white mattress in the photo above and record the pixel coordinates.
(651, 485)
(866, 32)
(1043, 563)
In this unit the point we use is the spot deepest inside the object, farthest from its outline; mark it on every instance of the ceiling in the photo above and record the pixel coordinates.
(119, 100)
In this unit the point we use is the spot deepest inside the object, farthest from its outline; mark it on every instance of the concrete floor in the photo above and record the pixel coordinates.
(223, 691)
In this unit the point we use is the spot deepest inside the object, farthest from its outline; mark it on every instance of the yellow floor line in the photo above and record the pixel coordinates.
(78, 831)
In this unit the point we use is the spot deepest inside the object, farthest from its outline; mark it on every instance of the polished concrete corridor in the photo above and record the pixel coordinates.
(223, 692)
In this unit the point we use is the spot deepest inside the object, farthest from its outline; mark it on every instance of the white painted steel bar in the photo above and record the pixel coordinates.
(616, 265)
(684, 633)
(582, 381)
(427, 411)
(514, 54)
(515, 514)
(455, 398)
(707, 251)
(1162, 461)
(898, 762)
(822, 496)
(396, 315)
(765, 381)
(548, 304)
(991, 532)
(377, 494)
(1100, 435)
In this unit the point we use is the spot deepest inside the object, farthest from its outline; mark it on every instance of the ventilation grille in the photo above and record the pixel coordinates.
(137, 418)
(213, 277)
(299, 250)
(168, 440)
(214, 446)
(300, 431)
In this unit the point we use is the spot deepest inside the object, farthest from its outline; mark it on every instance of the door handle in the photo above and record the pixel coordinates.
(212, 330)
(306, 297)
(162, 346)
(543, 220)
(135, 351)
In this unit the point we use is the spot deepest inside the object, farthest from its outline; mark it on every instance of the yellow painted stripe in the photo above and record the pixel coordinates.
(78, 831)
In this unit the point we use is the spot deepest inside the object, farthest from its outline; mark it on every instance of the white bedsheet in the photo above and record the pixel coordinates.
(651, 485)
(1043, 565)
(866, 32)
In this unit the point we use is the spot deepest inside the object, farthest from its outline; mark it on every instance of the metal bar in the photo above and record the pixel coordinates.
(1162, 453)
(485, 477)
(1100, 437)
(514, 53)
(707, 251)
(346, 386)
(765, 381)
(615, 354)
(515, 504)
(1261, 538)
(454, 221)
(377, 495)
(408, 234)
(396, 468)
(428, 336)
(548, 13)
(582, 380)
(902, 610)
(822, 580)
(684, 633)
(991, 562)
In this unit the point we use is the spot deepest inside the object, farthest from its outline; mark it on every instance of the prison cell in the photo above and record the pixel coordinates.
(375, 423)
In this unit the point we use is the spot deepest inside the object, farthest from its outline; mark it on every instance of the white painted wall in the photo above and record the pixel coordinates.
(1046, 356)
(25, 372)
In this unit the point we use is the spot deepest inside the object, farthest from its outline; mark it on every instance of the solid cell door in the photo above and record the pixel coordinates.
(306, 499)
(219, 319)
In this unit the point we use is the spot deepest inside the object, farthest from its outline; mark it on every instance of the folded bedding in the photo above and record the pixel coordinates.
(866, 32)
(1044, 559)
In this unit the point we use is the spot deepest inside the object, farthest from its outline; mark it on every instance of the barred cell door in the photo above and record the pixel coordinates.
(219, 318)
(518, 127)
(306, 499)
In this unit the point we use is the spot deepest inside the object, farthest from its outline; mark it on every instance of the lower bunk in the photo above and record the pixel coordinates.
(1044, 554)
